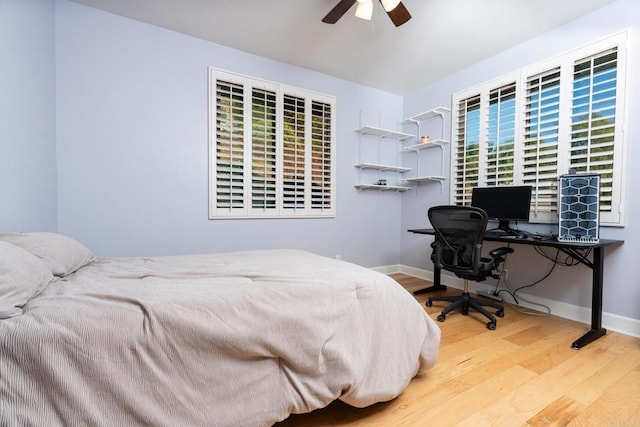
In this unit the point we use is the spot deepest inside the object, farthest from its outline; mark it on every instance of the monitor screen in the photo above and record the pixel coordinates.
(509, 203)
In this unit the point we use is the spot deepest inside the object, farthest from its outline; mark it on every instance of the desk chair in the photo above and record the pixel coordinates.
(458, 248)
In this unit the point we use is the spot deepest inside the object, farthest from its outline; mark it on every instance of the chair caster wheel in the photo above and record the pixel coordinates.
(429, 302)
(441, 318)
(500, 313)
(491, 326)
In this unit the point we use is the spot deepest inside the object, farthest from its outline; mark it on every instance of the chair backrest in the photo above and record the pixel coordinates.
(458, 244)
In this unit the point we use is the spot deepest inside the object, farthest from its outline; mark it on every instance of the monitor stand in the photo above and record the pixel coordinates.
(504, 226)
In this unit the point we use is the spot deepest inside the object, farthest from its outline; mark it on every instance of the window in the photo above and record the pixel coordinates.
(535, 124)
(271, 149)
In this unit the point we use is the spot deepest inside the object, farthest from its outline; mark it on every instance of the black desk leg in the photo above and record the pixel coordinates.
(436, 283)
(596, 301)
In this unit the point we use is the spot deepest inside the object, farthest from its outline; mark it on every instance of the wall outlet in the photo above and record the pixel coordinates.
(338, 256)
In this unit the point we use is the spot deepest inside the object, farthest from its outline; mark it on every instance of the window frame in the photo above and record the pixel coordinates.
(460, 180)
(318, 183)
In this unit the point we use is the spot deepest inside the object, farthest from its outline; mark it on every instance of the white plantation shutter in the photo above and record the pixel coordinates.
(563, 114)
(541, 139)
(272, 150)
(466, 153)
(593, 120)
(500, 145)
(294, 153)
(322, 182)
(229, 149)
(263, 150)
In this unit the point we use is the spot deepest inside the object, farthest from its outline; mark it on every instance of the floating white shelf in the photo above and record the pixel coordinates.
(426, 178)
(418, 119)
(384, 133)
(432, 143)
(382, 167)
(380, 133)
(381, 187)
(434, 112)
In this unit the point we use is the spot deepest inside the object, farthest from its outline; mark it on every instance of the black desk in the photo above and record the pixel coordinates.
(572, 249)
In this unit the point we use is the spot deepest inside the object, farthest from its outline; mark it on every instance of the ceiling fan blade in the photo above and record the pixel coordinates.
(399, 15)
(337, 12)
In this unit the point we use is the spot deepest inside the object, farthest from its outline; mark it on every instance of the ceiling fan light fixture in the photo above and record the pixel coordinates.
(364, 10)
(389, 5)
(395, 10)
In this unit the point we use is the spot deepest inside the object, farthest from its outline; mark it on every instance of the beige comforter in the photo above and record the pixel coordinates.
(237, 339)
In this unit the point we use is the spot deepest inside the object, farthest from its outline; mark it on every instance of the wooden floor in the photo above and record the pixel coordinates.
(524, 373)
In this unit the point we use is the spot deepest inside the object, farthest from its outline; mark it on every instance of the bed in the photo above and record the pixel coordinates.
(233, 339)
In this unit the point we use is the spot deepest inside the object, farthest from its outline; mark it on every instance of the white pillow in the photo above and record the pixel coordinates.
(62, 254)
(22, 275)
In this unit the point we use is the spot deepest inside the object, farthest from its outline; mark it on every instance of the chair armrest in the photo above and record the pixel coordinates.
(500, 252)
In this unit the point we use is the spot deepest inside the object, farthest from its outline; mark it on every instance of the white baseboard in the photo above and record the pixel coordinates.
(614, 322)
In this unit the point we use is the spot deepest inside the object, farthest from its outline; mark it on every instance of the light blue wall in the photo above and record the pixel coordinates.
(127, 104)
(27, 116)
(132, 141)
(571, 285)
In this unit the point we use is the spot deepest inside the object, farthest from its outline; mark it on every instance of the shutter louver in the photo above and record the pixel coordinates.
(229, 145)
(293, 191)
(467, 150)
(540, 145)
(263, 149)
(593, 120)
(501, 136)
(321, 156)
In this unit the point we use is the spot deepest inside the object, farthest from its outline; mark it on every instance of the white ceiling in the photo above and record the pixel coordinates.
(443, 36)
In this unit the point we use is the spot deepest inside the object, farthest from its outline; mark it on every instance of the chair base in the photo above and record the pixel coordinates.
(465, 302)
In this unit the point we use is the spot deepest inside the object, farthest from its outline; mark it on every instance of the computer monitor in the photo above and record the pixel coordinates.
(504, 204)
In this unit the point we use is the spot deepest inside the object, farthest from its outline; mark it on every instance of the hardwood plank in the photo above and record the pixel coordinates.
(523, 373)
(559, 413)
(591, 389)
(523, 403)
(612, 407)
(471, 398)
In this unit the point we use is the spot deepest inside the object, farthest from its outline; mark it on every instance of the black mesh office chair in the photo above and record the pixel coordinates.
(458, 248)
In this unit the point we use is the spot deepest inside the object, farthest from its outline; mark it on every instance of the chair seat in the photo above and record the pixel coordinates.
(485, 270)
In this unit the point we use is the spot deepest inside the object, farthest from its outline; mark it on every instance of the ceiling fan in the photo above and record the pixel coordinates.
(394, 8)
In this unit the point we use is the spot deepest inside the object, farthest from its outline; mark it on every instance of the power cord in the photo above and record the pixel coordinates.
(546, 311)
(553, 266)
(568, 261)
